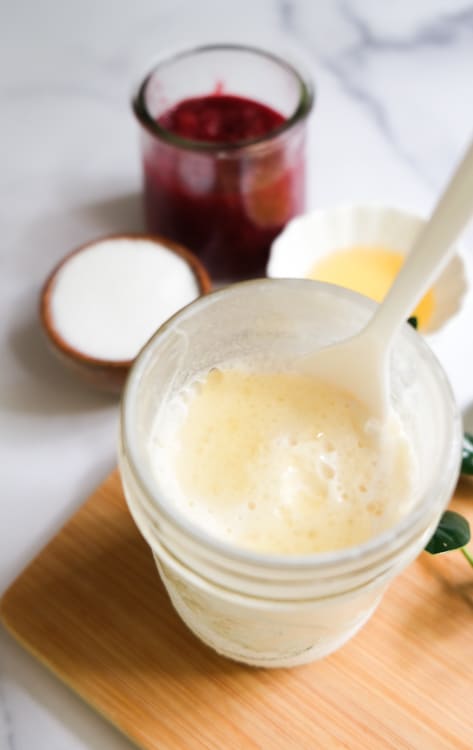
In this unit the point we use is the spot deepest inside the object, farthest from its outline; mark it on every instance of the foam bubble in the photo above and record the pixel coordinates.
(278, 462)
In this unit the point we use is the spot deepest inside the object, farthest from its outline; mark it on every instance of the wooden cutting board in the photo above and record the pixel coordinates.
(92, 608)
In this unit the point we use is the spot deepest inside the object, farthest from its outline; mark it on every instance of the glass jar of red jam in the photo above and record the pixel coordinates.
(223, 141)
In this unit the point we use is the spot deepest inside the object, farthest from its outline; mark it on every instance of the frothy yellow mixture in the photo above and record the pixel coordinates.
(280, 462)
(370, 271)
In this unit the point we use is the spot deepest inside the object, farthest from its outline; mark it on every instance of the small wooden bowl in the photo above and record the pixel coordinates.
(106, 375)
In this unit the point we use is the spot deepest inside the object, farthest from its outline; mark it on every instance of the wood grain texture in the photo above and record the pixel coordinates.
(91, 607)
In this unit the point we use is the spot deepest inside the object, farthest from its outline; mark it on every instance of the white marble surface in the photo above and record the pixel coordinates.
(394, 111)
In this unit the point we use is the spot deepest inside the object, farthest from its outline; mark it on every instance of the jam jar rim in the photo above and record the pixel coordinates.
(303, 109)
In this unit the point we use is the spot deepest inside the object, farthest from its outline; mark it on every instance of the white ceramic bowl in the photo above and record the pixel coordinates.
(313, 236)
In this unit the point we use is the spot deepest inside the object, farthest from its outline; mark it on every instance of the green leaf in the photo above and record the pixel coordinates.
(467, 454)
(413, 321)
(452, 532)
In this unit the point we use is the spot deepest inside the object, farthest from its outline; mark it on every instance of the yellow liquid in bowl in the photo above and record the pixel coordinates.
(370, 271)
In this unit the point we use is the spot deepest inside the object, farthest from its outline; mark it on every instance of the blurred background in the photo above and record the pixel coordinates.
(393, 112)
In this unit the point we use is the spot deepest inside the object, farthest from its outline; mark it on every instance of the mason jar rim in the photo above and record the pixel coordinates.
(441, 482)
(140, 108)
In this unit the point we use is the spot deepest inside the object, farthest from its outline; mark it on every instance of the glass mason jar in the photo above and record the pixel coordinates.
(267, 609)
(226, 201)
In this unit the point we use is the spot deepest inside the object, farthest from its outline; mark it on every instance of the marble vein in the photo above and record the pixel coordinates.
(442, 31)
(286, 14)
(347, 68)
(375, 109)
(368, 42)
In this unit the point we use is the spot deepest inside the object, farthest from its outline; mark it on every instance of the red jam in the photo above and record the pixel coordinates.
(220, 118)
(227, 205)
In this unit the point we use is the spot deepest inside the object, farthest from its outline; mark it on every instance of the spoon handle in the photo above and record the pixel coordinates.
(430, 252)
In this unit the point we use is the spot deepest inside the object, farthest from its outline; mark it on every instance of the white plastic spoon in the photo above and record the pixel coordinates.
(360, 364)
